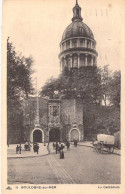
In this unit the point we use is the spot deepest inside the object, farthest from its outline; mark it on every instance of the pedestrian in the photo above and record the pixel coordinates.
(74, 142)
(56, 147)
(17, 149)
(68, 145)
(37, 148)
(61, 152)
(20, 148)
(34, 146)
(59, 146)
(62, 146)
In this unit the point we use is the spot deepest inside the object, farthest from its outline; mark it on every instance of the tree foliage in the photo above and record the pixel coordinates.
(19, 70)
(92, 84)
(115, 88)
(84, 83)
(111, 86)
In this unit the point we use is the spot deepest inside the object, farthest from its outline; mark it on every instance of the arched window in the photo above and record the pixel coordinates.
(68, 62)
(63, 46)
(75, 61)
(81, 42)
(82, 60)
(68, 44)
(88, 44)
(89, 60)
(74, 43)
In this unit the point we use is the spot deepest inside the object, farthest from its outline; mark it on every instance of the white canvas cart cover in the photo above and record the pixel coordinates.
(107, 139)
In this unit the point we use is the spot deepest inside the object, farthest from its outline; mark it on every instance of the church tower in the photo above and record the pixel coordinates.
(78, 46)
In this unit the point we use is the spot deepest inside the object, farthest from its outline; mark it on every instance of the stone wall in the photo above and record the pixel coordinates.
(72, 117)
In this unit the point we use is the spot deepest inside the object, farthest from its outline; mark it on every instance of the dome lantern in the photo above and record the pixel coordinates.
(77, 13)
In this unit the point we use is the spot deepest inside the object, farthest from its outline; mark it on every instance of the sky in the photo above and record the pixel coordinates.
(36, 26)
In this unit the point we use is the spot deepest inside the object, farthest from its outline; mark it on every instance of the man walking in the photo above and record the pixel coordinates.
(20, 148)
(68, 145)
(56, 147)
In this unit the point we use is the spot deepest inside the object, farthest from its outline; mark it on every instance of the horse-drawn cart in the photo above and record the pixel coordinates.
(104, 143)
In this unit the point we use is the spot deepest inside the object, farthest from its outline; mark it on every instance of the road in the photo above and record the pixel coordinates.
(80, 166)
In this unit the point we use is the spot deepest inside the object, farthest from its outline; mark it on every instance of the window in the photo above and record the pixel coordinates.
(55, 110)
(81, 30)
(88, 44)
(63, 46)
(81, 42)
(74, 43)
(68, 44)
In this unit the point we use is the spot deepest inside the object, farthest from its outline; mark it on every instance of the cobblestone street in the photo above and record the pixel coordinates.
(80, 166)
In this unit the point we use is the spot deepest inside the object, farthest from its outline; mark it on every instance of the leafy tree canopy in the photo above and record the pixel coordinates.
(19, 70)
(84, 83)
(90, 84)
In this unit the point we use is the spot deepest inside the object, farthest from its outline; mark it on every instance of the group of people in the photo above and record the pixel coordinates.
(58, 146)
(27, 147)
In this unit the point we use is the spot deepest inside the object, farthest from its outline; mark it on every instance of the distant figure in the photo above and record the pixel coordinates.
(61, 152)
(56, 147)
(17, 149)
(68, 145)
(36, 148)
(20, 148)
(75, 143)
(62, 146)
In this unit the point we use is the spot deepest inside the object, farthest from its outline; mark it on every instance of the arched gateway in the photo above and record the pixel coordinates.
(74, 134)
(37, 135)
(54, 135)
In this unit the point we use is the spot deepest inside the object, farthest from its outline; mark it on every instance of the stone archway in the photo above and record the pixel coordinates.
(74, 134)
(37, 135)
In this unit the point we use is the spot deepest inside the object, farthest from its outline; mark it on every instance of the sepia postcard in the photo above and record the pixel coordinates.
(63, 96)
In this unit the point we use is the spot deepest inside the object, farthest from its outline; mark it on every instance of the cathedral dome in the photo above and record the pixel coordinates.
(78, 46)
(77, 29)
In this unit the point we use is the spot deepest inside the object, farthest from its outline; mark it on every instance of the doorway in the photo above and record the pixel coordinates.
(74, 135)
(37, 136)
(54, 135)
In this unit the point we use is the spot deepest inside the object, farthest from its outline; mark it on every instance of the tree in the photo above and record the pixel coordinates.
(19, 70)
(111, 86)
(84, 83)
(115, 88)
(19, 86)
(105, 83)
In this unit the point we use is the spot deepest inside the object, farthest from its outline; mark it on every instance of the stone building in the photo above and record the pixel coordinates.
(62, 119)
